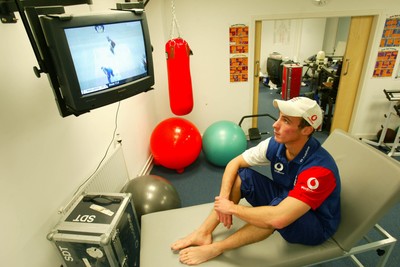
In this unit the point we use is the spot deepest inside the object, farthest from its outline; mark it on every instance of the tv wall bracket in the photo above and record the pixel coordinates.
(9, 7)
(29, 11)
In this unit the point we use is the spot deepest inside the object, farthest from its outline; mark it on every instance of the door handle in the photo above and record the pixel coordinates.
(347, 63)
(257, 69)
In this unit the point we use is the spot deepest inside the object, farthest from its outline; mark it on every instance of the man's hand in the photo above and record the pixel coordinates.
(223, 208)
(223, 205)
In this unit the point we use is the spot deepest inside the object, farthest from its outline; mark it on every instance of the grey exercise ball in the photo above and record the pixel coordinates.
(151, 193)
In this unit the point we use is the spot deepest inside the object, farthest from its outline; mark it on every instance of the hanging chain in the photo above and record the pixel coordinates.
(174, 23)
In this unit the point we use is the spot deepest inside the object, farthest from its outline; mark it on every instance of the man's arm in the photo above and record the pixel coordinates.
(276, 217)
(230, 175)
(252, 156)
(228, 179)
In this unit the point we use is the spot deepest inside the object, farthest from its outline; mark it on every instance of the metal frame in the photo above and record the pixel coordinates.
(8, 7)
(393, 96)
(29, 11)
(254, 133)
(382, 247)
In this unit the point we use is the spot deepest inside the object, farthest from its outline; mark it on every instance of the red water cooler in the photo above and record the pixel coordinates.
(291, 80)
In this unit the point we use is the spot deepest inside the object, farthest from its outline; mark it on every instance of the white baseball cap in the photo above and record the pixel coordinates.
(301, 107)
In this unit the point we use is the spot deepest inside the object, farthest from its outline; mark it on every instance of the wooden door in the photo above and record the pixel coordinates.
(359, 32)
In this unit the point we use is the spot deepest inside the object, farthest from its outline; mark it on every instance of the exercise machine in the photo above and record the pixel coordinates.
(254, 133)
(394, 109)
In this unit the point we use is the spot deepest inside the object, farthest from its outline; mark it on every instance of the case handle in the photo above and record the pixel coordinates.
(101, 200)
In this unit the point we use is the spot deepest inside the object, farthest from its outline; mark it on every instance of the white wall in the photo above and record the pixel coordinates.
(330, 39)
(45, 157)
(204, 25)
(304, 39)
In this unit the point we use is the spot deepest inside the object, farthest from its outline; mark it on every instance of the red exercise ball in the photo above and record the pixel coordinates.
(175, 143)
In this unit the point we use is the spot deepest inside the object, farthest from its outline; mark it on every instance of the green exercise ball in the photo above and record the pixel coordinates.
(222, 141)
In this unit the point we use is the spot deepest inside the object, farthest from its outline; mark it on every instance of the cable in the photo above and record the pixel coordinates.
(106, 153)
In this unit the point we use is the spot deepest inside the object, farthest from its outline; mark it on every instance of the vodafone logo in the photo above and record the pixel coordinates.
(312, 183)
(278, 167)
(313, 118)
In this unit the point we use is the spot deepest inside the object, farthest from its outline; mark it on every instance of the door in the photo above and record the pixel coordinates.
(360, 28)
(359, 32)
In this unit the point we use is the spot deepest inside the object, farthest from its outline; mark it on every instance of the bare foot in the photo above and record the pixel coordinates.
(196, 238)
(197, 255)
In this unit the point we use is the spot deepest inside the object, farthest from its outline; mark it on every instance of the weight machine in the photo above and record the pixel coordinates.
(394, 97)
(254, 133)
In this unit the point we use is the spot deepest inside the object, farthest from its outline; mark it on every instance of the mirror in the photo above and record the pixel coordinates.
(300, 40)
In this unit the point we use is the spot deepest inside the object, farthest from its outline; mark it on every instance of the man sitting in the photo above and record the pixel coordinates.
(301, 201)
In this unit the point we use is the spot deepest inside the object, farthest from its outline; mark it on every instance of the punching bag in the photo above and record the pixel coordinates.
(179, 80)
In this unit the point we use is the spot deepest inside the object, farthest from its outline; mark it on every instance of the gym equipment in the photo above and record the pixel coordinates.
(178, 55)
(254, 132)
(389, 137)
(291, 80)
(274, 70)
(179, 79)
(360, 212)
(222, 141)
(175, 143)
(151, 193)
(394, 97)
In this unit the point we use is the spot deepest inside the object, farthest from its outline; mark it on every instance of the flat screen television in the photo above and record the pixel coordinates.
(99, 58)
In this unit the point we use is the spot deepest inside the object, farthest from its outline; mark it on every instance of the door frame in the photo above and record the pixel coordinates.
(257, 24)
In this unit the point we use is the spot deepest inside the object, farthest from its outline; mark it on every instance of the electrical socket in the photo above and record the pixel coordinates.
(117, 140)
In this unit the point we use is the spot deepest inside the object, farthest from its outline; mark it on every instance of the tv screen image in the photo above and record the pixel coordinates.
(98, 58)
(107, 55)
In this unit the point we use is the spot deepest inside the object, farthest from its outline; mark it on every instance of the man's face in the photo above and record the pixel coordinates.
(286, 129)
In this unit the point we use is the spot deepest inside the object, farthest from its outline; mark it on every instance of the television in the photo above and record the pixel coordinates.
(98, 58)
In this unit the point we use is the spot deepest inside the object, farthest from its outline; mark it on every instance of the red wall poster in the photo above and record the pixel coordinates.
(238, 49)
